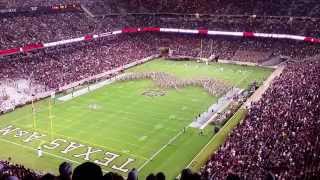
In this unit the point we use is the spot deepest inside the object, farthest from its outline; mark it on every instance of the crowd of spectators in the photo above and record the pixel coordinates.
(31, 3)
(59, 66)
(8, 169)
(85, 171)
(228, 48)
(306, 8)
(280, 25)
(21, 30)
(280, 134)
(310, 8)
(290, 108)
(25, 29)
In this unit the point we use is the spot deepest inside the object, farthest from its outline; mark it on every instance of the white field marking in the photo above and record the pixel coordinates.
(158, 126)
(142, 138)
(153, 127)
(130, 113)
(161, 149)
(141, 157)
(150, 125)
(28, 114)
(164, 145)
(120, 111)
(69, 128)
(111, 139)
(90, 143)
(124, 92)
(139, 122)
(50, 154)
(87, 90)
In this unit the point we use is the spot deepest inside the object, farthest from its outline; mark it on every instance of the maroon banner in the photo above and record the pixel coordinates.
(151, 29)
(9, 51)
(312, 40)
(248, 34)
(130, 30)
(203, 31)
(88, 37)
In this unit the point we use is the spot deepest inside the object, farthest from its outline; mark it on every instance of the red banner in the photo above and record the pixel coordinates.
(151, 29)
(130, 30)
(248, 34)
(203, 31)
(312, 40)
(88, 37)
(9, 51)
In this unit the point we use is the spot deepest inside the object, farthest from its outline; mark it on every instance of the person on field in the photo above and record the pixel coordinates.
(39, 152)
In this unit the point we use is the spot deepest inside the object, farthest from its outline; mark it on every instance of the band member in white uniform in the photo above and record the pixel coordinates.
(39, 151)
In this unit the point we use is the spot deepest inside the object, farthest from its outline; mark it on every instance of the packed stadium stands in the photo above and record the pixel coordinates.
(240, 7)
(279, 137)
(8, 169)
(307, 8)
(21, 30)
(84, 171)
(32, 3)
(280, 133)
(18, 31)
(68, 64)
(243, 7)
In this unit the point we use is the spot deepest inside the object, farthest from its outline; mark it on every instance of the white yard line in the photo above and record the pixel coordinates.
(200, 152)
(87, 90)
(158, 152)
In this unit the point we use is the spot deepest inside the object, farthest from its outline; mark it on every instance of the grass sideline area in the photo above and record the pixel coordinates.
(119, 126)
(217, 140)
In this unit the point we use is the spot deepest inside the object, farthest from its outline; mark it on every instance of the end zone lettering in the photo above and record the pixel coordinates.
(69, 147)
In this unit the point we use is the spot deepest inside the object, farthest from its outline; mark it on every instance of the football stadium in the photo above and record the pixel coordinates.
(188, 90)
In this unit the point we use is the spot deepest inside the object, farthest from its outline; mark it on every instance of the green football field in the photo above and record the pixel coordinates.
(118, 126)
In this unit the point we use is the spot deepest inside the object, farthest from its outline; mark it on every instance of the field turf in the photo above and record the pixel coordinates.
(119, 122)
